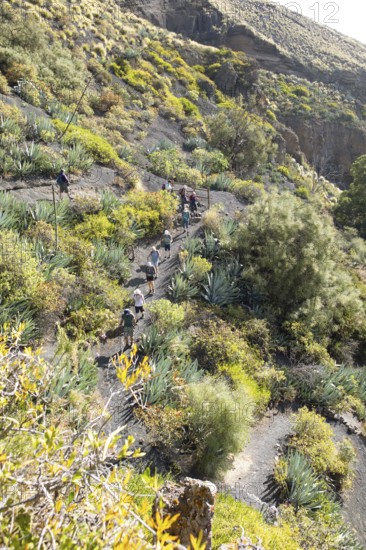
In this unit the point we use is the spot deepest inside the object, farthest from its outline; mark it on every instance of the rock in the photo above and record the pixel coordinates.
(193, 500)
(226, 78)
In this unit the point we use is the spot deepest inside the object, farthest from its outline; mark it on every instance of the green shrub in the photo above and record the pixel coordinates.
(166, 316)
(230, 513)
(96, 146)
(151, 212)
(94, 227)
(249, 190)
(217, 343)
(218, 424)
(182, 289)
(302, 192)
(300, 485)
(190, 109)
(313, 438)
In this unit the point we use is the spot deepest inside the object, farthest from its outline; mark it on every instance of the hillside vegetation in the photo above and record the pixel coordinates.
(266, 308)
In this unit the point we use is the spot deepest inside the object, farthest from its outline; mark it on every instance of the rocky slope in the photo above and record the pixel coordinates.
(282, 42)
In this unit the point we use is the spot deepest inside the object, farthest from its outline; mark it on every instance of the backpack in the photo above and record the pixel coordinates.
(167, 239)
(150, 270)
(59, 179)
(185, 216)
(128, 319)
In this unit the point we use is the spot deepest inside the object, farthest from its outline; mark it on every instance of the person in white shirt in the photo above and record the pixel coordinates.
(139, 300)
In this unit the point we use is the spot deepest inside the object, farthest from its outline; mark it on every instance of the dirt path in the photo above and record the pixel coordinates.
(249, 479)
(121, 406)
(354, 500)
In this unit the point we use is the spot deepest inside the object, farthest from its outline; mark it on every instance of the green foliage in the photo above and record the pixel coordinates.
(95, 145)
(243, 138)
(181, 288)
(114, 260)
(150, 212)
(351, 208)
(220, 289)
(165, 162)
(229, 513)
(313, 439)
(217, 344)
(94, 227)
(209, 162)
(190, 109)
(301, 486)
(290, 253)
(214, 416)
(166, 316)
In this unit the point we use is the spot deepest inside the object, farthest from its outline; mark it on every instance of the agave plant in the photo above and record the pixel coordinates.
(44, 210)
(193, 246)
(9, 129)
(32, 152)
(16, 211)
(220, 289)
(22, 168)
(55, 261)
(302, 486)
(221, 182)
(113, 258)
(78, 160)
(109, 201)
(181, 289)
(20, 314)
(211, 246)
(190, 371)
(193, 143)
(40, 129)
(158, 388)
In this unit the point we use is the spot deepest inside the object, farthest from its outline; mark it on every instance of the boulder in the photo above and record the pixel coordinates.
(193, 500)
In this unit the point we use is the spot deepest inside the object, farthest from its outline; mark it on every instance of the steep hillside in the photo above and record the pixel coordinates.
(281, 40)
(331, 65)
(260, 301)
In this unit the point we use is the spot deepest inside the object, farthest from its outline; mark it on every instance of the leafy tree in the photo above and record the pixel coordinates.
(243, 138)
(292, 257)
(351, 207)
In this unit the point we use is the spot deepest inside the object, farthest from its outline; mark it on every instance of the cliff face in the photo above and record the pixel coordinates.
(331, 147)
(281, 40)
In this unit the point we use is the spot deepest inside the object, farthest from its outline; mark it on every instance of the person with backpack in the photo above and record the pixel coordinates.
(128, 322)
(186, 216)
(154, 258)
(139, 300)
(193, 202)
(63, 182)
(183, 196)
(167, 241)
(150, 276)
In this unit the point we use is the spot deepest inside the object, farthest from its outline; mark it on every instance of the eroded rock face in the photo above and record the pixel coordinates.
(193, 500)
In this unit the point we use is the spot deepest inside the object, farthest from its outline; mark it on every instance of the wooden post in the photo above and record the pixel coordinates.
(208, 198)
(55, 211)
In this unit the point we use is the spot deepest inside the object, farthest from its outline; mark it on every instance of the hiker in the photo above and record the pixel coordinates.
(63, 182)
(139, 300)
(183, 196)
(193, 202)
(186, 216)
(167, 241)
(154, 258)
(150, 276)
(128, 320)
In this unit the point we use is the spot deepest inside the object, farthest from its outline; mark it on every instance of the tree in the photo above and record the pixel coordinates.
(243, 138)
(351, 208)
(292, 257)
